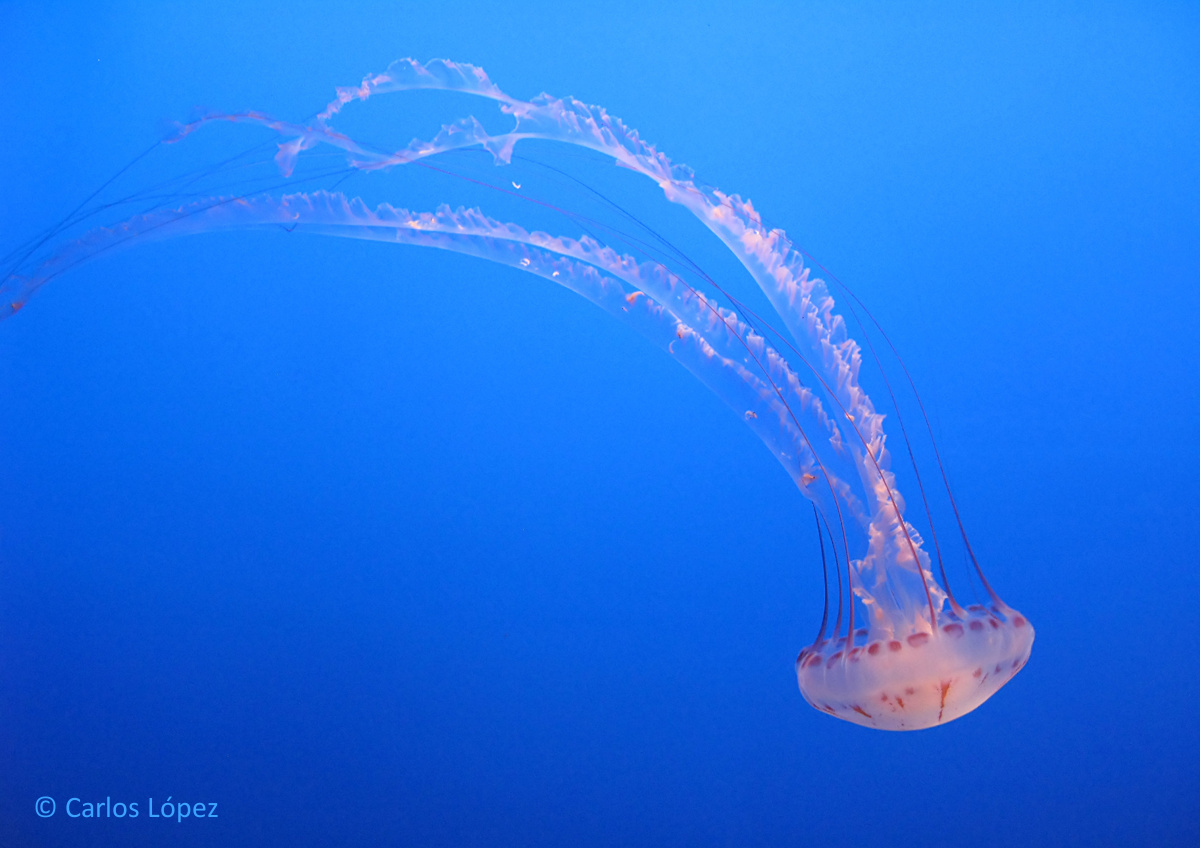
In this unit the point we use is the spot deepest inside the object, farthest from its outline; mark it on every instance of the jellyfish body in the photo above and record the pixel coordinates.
(905, 655)
(922, 680)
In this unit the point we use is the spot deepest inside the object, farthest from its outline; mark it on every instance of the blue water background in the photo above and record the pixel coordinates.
(380, 547)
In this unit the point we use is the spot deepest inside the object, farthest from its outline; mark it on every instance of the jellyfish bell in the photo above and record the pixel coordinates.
(921, 659)
(916, 657)
(911, 681)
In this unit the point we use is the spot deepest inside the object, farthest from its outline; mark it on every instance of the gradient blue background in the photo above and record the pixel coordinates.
(320, 531)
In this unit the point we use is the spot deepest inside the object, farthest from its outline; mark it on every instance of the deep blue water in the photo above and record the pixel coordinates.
(373, 546)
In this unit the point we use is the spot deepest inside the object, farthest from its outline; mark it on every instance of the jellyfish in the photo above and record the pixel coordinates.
(895, 650)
